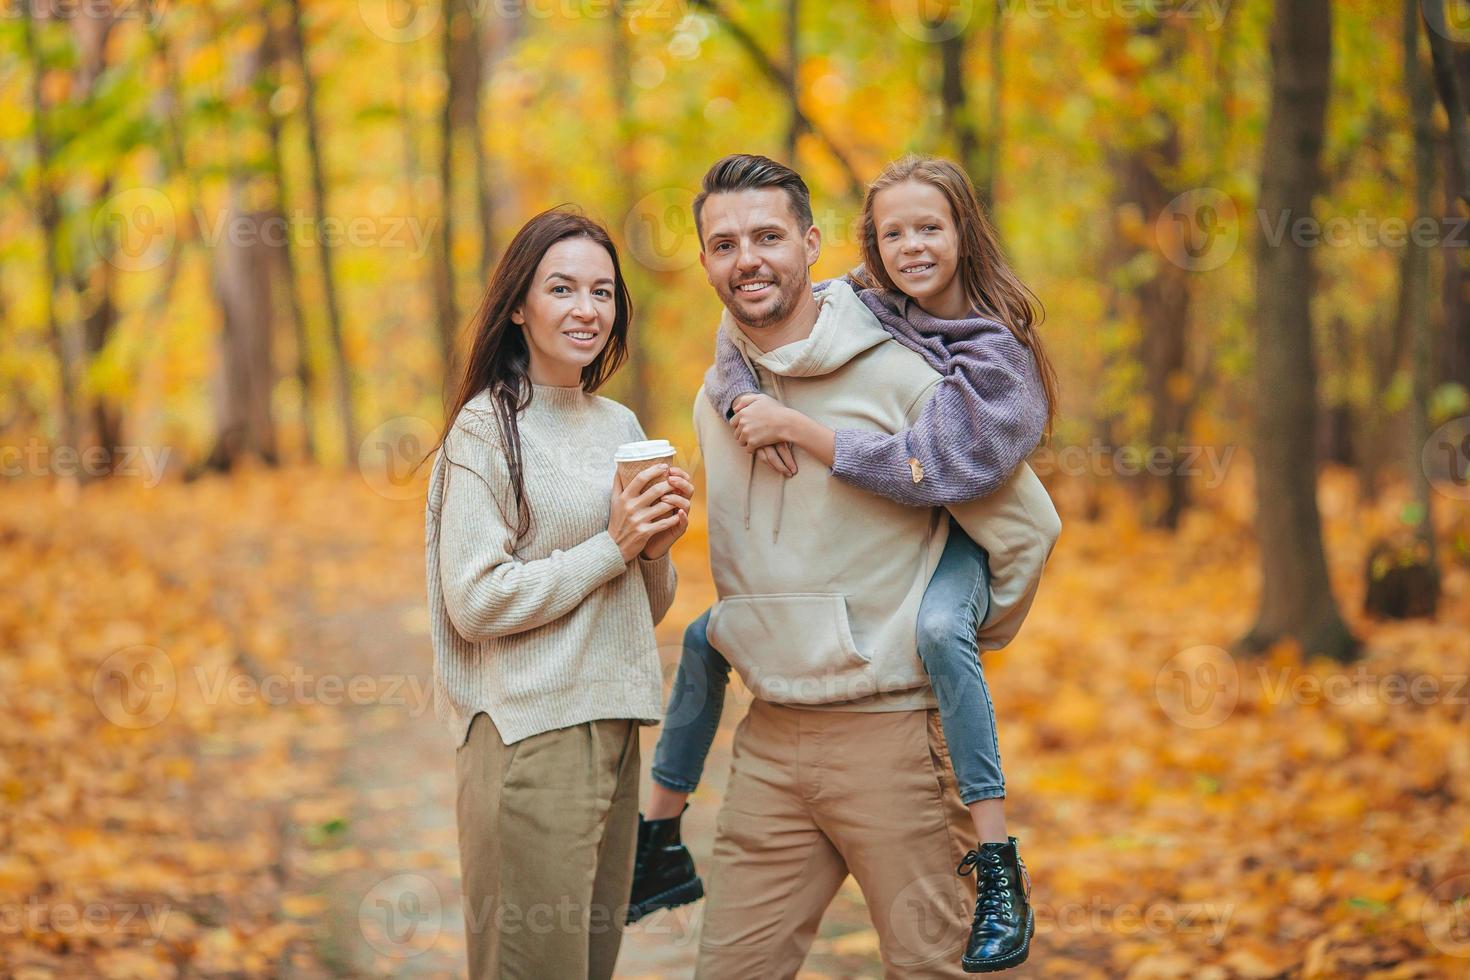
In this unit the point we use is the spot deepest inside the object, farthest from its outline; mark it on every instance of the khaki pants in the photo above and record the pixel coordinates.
(814, 796)
(546, 834)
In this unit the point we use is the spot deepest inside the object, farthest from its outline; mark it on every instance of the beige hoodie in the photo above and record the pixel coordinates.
(819, 582)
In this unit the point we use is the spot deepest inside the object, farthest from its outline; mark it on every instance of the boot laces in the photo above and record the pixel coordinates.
(992, 892)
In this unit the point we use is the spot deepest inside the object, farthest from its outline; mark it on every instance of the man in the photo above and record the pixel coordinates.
(840, 766)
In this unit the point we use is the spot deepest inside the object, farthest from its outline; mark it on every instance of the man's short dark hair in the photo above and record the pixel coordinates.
(750, 171)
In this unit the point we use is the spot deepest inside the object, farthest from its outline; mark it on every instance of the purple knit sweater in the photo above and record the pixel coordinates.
(985, 416)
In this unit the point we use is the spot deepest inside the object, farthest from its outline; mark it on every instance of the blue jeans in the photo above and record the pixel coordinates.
(954, 604)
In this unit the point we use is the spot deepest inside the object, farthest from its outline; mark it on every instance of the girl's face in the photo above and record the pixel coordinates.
(567, 316)
(919, 243)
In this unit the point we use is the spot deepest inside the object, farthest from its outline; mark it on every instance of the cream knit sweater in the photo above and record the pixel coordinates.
(553, 629)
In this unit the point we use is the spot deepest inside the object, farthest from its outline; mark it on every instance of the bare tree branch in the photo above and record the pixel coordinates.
(784, 80)
(1448, 84)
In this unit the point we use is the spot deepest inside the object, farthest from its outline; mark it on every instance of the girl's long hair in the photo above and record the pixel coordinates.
(499, 359)
(991, 286)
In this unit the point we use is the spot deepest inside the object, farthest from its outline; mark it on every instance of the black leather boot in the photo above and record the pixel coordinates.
(1000, 936)
(663, 869)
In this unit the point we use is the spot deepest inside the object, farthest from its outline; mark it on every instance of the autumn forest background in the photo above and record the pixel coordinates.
(240, 241)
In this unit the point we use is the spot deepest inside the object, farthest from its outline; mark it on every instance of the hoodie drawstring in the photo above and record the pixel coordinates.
(781, 491)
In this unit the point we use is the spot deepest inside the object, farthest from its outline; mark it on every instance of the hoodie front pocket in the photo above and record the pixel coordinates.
(791, 647)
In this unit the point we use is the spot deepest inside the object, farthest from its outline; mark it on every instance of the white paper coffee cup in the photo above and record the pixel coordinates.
(635, 457)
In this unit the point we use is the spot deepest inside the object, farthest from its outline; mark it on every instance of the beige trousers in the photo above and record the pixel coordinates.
(817, 795)
(546, 834)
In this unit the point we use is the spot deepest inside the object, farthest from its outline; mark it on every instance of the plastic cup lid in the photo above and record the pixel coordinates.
(647, 449)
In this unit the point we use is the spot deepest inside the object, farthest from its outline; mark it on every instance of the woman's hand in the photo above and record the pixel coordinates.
(680, 498)
(641, 510)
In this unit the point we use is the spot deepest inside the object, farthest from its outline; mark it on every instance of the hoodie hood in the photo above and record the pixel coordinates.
(845, 328)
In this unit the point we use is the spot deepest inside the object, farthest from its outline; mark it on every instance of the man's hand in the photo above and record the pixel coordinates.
(761, 426)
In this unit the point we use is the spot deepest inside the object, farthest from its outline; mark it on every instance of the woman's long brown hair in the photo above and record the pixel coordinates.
(991, 286)
(499, 359)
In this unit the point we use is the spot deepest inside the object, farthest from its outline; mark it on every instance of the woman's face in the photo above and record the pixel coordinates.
(919, 244)
(568, 312)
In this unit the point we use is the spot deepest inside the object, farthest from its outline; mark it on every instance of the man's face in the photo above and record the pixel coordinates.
(756, 256)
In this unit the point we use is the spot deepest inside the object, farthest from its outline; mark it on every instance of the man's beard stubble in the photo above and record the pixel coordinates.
(777, 313)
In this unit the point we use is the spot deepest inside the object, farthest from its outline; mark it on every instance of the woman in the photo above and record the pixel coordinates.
(937, 280)
(546, 577)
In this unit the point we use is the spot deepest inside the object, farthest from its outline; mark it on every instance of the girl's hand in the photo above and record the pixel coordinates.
(762, 421)
(680, 498)
(780, 457)
(641, 510)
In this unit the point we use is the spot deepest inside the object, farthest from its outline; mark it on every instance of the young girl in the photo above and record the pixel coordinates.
(936, 279)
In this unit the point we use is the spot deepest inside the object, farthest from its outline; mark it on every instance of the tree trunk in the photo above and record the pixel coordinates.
(793, 78)
(1453, 357)
(324, 247)
(97, 327)
(95, 281)
(1296, 594)
(783, 78)
(1421, 102)
(637, 394)
(48, 217)
(445, 306)
(242, 284)
(274, 59)
(1448, 80)
(1159, 302)
(954, 106)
